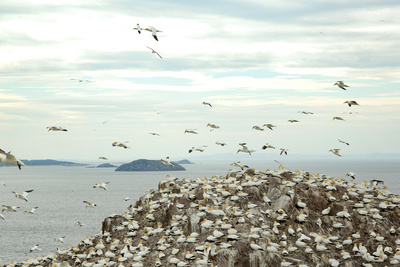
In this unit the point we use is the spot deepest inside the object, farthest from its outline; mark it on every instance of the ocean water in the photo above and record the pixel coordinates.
(59, 193)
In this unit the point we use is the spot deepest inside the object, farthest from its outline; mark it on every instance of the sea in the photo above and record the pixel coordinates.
(59, 192)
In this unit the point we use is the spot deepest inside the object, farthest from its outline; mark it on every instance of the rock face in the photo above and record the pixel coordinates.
(149, 165)
(251, 218)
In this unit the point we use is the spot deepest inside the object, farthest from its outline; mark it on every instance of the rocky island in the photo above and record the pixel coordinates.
(47, 162)
(149, 165)
(248, 218)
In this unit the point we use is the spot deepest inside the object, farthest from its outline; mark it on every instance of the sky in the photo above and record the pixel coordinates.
(254, 61)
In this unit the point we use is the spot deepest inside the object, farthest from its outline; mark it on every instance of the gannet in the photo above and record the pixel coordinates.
(79, 224)
(34, 248)
(351, 174)
(102, 185)
(167, 162)
(89, 204)
(351, 102)
(81, 80)
(221, 144)
(33, 210)
(335, 151)
(206, 103)
(269, 126)
(10, 159)
(305, 112)
(154, 51)
(241, 166)
(291, 121)
(138, 28)
(341, 85)
(56, 129)
(201, 149)
(190, 131)
(10, 208)
(213, 126)
(59, 239)
(338, 118)
(245, 149)
(341, 141)
(2, 217)
(23, 195)
(120, 144)
(103, 158)
(153, 31)
(255, 127)
(154, 134)
(283, 150)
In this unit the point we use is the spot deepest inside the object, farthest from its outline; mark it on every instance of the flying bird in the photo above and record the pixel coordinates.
(258, 128)
(335, 151)
(206, 103)
(56, 129)
(351, 174)
(341, 141)
(10, 208)
(59, 239)
(269, 126)
(167, 162)
(81, 80)
(221, 144)
(190, 131)
(153, 31)
(138, 28)
(291, 121)
(155, 134)
(200, 149)
(245, 149)
(338, 118)
(89, 204)
(32, 211)
(213, 126)
(154, 51)
(351, 103)
(120, 144)
(103, 158)
(34, 248)
(23, 195)
(341, 85)
(305, 112)
(10, 159)
(283, 150)
(267, 146)
(101, 186)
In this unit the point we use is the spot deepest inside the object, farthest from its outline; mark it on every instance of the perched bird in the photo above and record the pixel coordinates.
(23, 195)
(10, 159)
(269, 126)
(338, 118)
(120, 144)
(102, 185)
(206, 103)
(138, 28)
(89, 204)
(56, 129)
(154, 51)
(351, 102)
(335, 151)
(341, 85)
(153, 31)
(341, 141)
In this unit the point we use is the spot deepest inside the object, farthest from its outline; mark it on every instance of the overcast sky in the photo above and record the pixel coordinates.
(255, 61)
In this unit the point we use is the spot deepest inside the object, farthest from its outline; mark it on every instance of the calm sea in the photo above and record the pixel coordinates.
(59, 192)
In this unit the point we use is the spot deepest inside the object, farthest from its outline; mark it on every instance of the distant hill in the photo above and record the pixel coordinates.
(183, 161)
(149, 165)
(106, 165)
(46, 162)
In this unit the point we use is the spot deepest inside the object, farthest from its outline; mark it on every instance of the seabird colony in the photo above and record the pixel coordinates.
(247, 218)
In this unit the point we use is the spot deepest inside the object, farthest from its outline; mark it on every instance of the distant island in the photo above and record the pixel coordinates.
(149, 165)
(106, 165)
(183, 161)
(46, 162)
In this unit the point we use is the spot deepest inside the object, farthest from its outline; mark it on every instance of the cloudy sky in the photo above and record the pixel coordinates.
(255, 61)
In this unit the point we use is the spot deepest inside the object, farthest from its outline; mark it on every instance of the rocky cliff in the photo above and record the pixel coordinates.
(249, 218)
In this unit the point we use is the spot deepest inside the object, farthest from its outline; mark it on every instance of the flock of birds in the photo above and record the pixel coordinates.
(246, 218)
